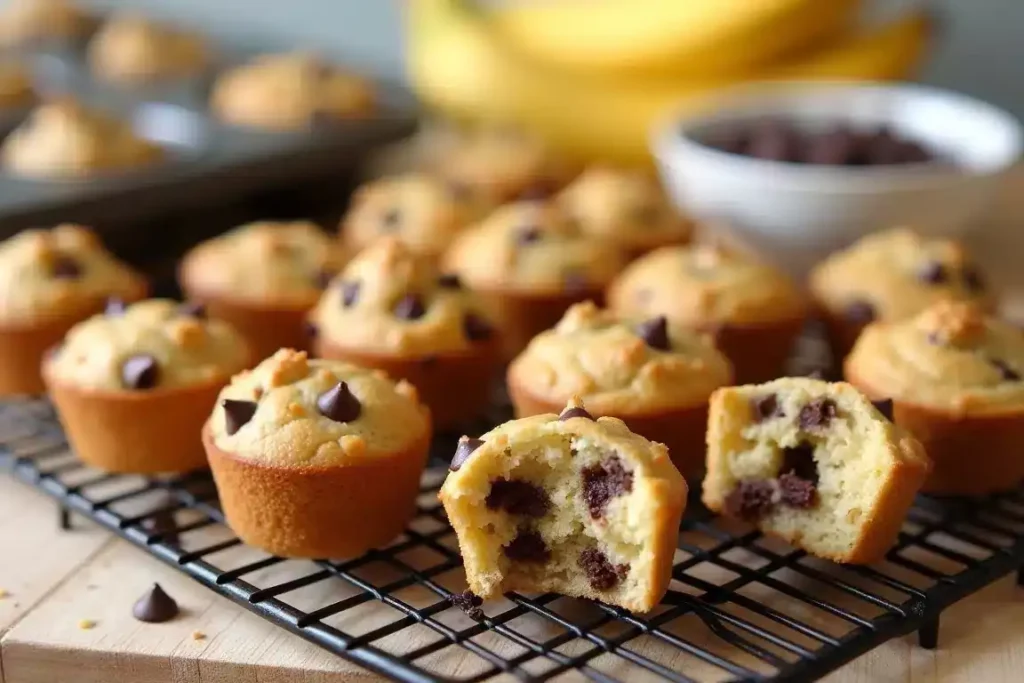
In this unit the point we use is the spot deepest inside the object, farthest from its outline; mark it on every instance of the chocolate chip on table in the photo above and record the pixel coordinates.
(449, 281)
(973, 280)
(933, 273)
(799, 461)
(349, 292)
(884, 407)
(476, 328)
(338, 404)
(66, 268)
(797, 492)
(603, 482)
(410, 307)
(527, 546)
(114, 307)
(155, 607)
(765, 407)
(162, 523)
(654, 332)
(237, 413)
(140, 372)
(1007, 373)
(518, 497)
(193, 309)
(575, 411)
(859, 311)
(528, 235)
(467, 446)
(601, 573)
(750, 499)
(391, 219)
(469, 602)
(817, 414)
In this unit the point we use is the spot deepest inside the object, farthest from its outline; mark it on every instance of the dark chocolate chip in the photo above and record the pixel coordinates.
(162, 524)
(322, 279)
(466, 448)
(311, 329)
(973, 280)
(859, 311)
(193, 309)
(140, 372)
(934, 339)
(114, 307)
(833, 148)
(528, 235)
(603, 482)
(750, 499)
(527, 546)
(884, 407)
(518, 497)
(602, 574)
(391, 219)
(575, 281)
(469, 602)
(1008, 373)
(155, 607)
(66, 268)
(817, 414)
(773, 141)
(410, 307)
(339, 404)
(237, 413)
(449, 281)
(654, 332)
(765, 407)
(933, 273)
(575, 411)
(349, 292)
(476, 328)
(796, 491)
(799, 461)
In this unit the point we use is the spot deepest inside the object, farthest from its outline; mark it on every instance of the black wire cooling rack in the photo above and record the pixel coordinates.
(741, 607)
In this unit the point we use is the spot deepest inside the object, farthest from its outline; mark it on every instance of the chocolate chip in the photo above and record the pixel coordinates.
(833, 148)
(859, 311)
(1008, 373)
(765, 407)
(237, 413)
(410, 307)
(750, 499)
(527, 546)
(796, 491)
(449, 281)
(310, 329)
(193, 309)
(799, 461)
(884, 407)
(339, 404)
(162, 523)
(322, 279)
(528, 235)
(349, 292)
(536, 192)
(773, 141)
(65, 268)
(601, 573)
(114, 307)
(603, 482)
(934, 339)
(654, 332)
(391, 219)
(466, 448)
(933, 273)
(469, 602)
(575, 281)
(817, 414)
(476, 328)
(518, 497)
(140, 372)
(575, 411)
(973, 280)
(155, 607)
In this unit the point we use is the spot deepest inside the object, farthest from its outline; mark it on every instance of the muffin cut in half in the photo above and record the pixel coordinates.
(813, 463)
(568, 504)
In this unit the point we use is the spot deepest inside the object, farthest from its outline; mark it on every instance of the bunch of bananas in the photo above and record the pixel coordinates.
(593, 77)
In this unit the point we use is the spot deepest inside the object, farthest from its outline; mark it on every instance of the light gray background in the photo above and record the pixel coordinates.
(981, 51)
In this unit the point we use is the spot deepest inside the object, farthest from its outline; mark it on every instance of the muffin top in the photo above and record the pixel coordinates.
(418, 209)
(389, 300)
(151, 345)
(28, 21)
(618, 368)
(704, 285)
(531, 247)
(132, 49)
(288, 90)
(64, 138)
(896, 274)
(16, 88)
(951, 356)
(60, 272)
(290, 411)
(266, 263)
(626, 207)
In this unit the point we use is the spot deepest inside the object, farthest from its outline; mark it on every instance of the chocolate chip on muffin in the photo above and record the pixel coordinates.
(339, 404)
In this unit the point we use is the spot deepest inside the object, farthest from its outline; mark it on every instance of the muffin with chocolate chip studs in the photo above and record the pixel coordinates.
(529, 262)
(263, 278)
(813, 463)
(317, 458)
(566, 503)
(889, 276)
(134, 385)
(754, 311)
(655, 379)
(391, 309)
(50, 280)
(954, 375)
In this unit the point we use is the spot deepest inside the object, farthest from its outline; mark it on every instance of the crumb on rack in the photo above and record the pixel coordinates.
(86, 624)
(468, 602)
(198, 635)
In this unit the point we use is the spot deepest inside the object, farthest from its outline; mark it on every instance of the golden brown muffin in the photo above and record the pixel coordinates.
(391, 309)
(16, 87)
(317, 458)
(812, 463)
(416, 208)
(530, 263)
(263, 278)
(64, 139)
(892, 275)
(754, 311)
(626, 207)
(130, 49)
(656, 380)
(287, 91)
(566, 503)
(50, 280)
(134, 385)
(29, 22)
(954, 377)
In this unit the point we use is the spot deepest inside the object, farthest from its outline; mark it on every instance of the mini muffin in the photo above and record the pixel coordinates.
(889, 276)
(317, 458)
(64, 139)
(131, 50)
(50, 280)
(566, 503)
(754, 311)
(626, 207)
(16, 88)
(420, 210)
(35, 22)
(134, 385)
(954, 376)
(288, 91)
(530, 263)
(813, 463)
(654, 379)
(391, 309)
(263, 278)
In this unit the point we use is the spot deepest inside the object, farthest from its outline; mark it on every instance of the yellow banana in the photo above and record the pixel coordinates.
(459, 67)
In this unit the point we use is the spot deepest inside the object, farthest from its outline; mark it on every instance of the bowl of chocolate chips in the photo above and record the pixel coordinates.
(797, 170)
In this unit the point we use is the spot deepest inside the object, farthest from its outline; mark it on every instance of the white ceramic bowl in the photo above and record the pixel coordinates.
(796, 214)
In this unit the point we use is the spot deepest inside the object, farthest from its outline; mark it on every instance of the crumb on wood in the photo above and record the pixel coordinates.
(198, 635)
(86, 624)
